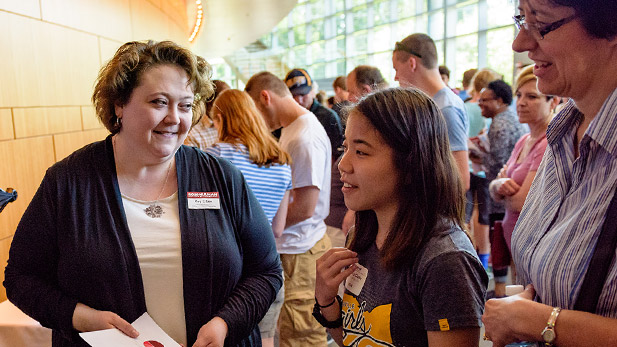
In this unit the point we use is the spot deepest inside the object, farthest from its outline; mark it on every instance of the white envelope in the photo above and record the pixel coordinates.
(150, 335)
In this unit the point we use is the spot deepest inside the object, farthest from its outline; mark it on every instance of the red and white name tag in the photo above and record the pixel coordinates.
(203, 200)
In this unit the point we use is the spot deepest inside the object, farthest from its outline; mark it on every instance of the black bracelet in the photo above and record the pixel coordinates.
(323, 321)
(328, 305)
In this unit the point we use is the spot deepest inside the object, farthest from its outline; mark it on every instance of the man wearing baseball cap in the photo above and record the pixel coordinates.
(301, 86)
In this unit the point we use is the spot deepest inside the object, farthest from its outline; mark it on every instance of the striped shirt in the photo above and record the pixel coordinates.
(269, 184)
(575, 192)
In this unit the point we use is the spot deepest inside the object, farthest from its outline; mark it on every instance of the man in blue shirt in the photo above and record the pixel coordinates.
(415, 61)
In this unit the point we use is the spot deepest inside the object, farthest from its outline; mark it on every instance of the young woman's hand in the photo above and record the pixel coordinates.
(332, 268)
(212, 334)
(87, 319)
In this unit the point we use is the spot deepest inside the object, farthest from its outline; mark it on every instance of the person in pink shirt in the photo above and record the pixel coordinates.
(513, 182)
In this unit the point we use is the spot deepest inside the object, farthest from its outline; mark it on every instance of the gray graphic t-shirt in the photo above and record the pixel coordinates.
(443, 290)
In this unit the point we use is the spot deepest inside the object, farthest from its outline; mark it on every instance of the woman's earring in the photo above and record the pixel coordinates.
(118, 124)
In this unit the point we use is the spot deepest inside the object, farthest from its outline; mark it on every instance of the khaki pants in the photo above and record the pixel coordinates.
(298, 326)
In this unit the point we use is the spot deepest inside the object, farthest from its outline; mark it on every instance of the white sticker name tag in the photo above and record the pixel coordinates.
(355, 281)
(203, 200)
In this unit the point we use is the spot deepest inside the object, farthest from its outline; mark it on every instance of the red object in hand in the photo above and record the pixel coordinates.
(153, 343)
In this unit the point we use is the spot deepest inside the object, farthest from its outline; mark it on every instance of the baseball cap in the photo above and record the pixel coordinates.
(299, 82)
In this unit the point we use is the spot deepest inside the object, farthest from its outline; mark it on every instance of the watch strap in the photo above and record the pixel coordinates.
(323, 321)
(548, 334)
(324, 306)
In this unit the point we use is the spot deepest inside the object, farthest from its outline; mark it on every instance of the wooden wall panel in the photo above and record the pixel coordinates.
(108, 48)
(29, 8)
(5, 244)
(89, 119)
(176, 10)
(149, 22)
(28, 159)
(6, 124)
(37, 121)
(65, 144)
(157, 3)
(108, 18)
(45, 64)
(178, 34)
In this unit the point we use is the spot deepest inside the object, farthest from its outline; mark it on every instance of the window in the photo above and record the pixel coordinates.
(331, 37)
(435, 4)
(465, 53)
(355, 61)
(383, 61)
(354, 3)
(317, 9)
(299, 35)
(318, 71)
(405, 8)
(498, 42)
(298, 15)
(436, 25)
(359, 20)
(462, 20)
(340, 23)
(317, 30)
(501, 12)
(358, 43)
(282, 38)
(380, 39)
(381, 10)
(317, 50)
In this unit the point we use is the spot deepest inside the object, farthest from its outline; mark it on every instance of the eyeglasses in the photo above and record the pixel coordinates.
(486, 100)
(400, 47)
(537, 30)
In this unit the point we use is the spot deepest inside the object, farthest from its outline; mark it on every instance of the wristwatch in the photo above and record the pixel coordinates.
(548, 334)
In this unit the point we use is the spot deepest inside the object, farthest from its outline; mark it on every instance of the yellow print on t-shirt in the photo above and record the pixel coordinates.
(363, 328)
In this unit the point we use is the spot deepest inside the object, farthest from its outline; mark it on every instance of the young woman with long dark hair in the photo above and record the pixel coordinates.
(411, 274)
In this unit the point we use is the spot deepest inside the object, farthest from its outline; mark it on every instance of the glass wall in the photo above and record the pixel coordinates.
(330, 37)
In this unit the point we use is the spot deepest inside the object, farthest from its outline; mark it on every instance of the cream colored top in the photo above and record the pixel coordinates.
(157, 242)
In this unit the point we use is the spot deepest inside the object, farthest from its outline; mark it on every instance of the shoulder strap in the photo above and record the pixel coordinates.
(601, 260)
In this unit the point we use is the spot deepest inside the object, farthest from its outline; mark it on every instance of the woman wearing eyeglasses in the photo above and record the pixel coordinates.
(562, 244)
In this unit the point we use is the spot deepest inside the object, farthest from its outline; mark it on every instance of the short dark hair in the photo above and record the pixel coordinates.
(370, 76)
(443, 70)
(431, 192)
(423, 45)
(502, 90)
(122, 74)
(266, 80)
(597, 16)
(341, 82)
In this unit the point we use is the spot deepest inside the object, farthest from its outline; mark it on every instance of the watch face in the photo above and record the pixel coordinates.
(548, 335)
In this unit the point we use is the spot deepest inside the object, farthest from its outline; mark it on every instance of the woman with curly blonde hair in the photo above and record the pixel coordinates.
(140, 223)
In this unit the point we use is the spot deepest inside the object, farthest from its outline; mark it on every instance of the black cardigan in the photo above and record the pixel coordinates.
(73, 245)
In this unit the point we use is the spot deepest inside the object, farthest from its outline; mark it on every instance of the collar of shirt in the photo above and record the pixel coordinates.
(601, 129)
(604, 126)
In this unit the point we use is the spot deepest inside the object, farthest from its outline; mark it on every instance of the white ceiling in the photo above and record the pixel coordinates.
(232, 24)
